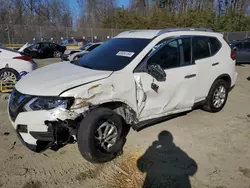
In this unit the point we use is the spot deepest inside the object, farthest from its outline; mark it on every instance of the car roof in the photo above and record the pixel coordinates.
(149, 34)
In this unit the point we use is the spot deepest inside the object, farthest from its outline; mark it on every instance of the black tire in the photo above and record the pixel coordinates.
(87, 143)
(10, 70)
(209, 105)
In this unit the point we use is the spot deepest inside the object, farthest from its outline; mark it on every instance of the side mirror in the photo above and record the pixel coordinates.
(157, 72)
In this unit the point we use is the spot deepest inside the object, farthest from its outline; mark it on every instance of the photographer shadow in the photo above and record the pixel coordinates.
(166, 165)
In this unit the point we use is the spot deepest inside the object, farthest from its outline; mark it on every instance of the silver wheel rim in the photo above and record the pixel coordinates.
(8, 76)
(219, 96)
(106, 135)
(57, 54)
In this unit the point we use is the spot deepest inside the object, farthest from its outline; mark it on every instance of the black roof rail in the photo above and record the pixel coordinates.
(183, 29)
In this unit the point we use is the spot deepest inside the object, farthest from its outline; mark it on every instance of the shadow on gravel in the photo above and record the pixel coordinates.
(248, 78)
(166, 165)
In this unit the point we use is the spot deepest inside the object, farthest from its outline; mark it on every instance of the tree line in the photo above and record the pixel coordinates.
(220, 15)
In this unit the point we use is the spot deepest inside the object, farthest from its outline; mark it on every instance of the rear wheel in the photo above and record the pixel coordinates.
(217, 96)
(57, 54)
(101, 135)
(9, 75)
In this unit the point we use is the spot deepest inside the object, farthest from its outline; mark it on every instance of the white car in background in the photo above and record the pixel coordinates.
(71, 54)
(14, 64)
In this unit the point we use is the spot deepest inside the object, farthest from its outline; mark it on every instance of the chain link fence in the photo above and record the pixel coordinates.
(20, 34)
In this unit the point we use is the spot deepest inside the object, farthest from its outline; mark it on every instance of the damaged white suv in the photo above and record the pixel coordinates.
(133, 79)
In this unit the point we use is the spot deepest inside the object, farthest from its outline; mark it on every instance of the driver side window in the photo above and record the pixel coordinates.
(167, 57)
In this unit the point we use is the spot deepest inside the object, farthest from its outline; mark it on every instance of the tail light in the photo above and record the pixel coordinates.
(25, 58)
(233, 54)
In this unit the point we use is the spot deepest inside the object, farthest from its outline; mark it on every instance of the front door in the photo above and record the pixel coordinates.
(156, 98)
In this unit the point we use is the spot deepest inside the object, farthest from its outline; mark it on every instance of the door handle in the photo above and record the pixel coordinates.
(214, 64)
(190, 76)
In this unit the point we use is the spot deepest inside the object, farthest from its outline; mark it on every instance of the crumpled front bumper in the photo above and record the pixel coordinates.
(38, 147)
(40, 130)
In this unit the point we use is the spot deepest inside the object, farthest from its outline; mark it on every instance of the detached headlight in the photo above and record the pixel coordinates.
(48, 103)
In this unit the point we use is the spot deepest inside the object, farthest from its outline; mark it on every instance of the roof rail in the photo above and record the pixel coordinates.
(183, 29)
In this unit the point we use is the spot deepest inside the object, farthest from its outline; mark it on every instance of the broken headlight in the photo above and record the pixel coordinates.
(48, 103)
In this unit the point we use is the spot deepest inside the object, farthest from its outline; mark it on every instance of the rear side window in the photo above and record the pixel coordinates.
(247, 45)
(51, 45)
(240, 45)
(200, 47)
(215, 45)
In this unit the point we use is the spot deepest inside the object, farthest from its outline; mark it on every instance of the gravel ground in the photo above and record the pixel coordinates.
(199, 150)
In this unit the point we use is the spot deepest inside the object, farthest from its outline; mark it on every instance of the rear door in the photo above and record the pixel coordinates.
(47, 50)
(177, 92)
(208, 63)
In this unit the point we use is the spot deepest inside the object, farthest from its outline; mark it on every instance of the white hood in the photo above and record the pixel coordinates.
(56, 78)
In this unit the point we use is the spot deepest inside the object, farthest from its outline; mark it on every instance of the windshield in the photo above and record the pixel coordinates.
(113, 55)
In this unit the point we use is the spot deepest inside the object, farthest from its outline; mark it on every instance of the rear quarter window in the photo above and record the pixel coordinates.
(215, 45)
(200, 47)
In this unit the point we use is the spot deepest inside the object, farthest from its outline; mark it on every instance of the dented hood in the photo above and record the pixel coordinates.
(56, 78)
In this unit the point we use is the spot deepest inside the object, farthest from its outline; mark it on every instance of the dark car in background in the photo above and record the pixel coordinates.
(242, 49)
(44, 50)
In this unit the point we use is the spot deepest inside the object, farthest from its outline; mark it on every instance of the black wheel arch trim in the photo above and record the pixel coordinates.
(224, 76)
(218, 78)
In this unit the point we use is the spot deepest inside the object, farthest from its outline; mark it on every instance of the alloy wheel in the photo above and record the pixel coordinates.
(106, 135)
(8, 76)
(219, 96)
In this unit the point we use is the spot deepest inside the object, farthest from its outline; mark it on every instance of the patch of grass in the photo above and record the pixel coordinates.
(126, 173)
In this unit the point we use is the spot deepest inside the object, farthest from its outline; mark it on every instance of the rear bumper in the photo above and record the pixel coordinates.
(234, 79)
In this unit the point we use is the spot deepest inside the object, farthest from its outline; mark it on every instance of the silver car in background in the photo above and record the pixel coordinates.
(72, 54)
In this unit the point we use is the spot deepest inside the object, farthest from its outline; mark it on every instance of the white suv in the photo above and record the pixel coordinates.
(133, 79)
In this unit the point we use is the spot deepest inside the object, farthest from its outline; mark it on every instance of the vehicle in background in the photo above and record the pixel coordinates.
(14, 65)
(77, 56)
(129, 81)
(43, 50)
(70, 54)
(242, 49)
(76, 41)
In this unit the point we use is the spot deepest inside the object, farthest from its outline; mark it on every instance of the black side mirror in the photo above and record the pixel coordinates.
(157, 72)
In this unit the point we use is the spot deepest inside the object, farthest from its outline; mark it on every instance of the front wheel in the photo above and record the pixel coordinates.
(217, 96)
(101, 135)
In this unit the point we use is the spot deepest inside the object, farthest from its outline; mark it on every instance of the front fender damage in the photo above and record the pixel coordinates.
(64, 125)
